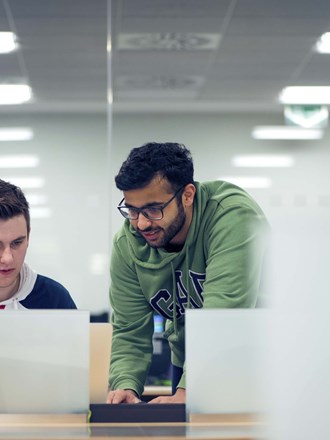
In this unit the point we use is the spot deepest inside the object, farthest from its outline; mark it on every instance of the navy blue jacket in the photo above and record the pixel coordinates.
(48, 294)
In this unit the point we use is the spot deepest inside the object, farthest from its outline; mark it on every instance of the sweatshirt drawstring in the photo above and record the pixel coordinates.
(187, 284)
(174, 300)
(174, 287)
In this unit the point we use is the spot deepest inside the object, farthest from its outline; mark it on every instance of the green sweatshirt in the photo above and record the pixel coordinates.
(219, 266)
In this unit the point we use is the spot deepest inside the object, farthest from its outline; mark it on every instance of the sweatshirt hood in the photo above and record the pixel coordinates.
(27, 280)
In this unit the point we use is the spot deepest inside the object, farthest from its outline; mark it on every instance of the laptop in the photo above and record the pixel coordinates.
(44, 362)
(226, 361)
(100, 352)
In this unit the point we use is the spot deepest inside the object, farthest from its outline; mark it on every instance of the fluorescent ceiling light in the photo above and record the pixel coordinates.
(26, 182)
(263, 161)
(284, 132)
(109, 44)
(16, 134)
(36, 199)
(41, 212)
(19, 161)
(7, 42)
(98, 264)
(248, 182)
(11, 94)
(110, 96)
(305, 95)
(323, 44)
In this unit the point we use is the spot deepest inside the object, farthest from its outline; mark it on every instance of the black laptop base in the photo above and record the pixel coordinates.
(137, 413)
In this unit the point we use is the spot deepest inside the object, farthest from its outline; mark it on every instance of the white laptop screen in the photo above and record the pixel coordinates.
(226, 362)
(44, 362)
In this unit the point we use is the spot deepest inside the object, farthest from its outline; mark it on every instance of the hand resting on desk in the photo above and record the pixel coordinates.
(129, 396)
(178, 397)
(122, 396)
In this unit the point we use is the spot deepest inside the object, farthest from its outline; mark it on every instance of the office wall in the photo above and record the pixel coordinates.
(215, 139)
(71, 245)
(74, 244)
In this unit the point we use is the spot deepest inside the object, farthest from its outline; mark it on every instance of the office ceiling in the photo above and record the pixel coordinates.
(167, 55)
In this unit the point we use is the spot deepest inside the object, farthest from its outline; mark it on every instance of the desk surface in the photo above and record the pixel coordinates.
(154, 390)
(226, 429)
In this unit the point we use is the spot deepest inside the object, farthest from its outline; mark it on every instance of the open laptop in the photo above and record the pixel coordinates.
(226, 361)
(100, 351)
(44, 362)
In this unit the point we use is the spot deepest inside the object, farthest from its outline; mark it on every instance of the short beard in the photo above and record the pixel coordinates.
(173, 229)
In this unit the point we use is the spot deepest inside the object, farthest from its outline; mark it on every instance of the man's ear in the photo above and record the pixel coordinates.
(188, 194)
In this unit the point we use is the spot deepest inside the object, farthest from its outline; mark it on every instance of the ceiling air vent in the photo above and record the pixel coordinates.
(153, 87)
(159, 82)
(168, 41)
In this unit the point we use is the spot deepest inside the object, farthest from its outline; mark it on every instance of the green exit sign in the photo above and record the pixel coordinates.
(307, 116)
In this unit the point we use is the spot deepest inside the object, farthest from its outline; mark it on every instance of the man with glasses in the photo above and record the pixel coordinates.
(184, 244)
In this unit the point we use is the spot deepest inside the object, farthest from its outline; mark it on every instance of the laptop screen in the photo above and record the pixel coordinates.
(44, 362)
(226, 362)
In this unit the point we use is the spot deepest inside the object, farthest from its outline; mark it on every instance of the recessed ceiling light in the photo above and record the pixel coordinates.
(265, 161)
(248, 182)
(7, 42)
(286, 133)
(19, 161)
(11, 94)
(16, 134)
(305, 95)
(323, 44)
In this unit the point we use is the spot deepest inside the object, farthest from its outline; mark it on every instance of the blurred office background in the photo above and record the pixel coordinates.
(108, 76)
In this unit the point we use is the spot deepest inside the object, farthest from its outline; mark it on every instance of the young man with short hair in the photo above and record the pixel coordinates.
(20, 286)
(184, 244)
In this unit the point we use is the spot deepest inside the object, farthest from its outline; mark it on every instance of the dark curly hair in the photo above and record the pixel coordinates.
(13, 202)
(170, 160)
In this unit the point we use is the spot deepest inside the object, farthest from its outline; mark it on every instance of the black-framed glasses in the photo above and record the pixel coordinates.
(150, 212)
